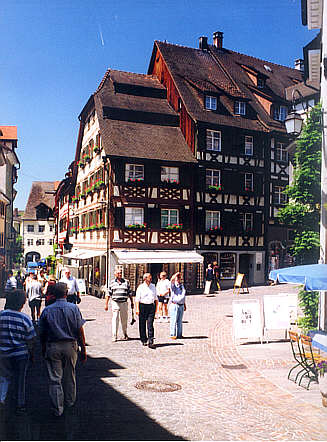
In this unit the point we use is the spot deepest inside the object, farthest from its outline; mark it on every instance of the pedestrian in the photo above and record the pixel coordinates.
(34, 295)
(73, 290)
(11, 283)
(20, 280)
(146, 305)
(163, 291)
(177, 306)
(209, 279)
(216, 275)
(16, 348)
(61, 330)
(119, 291)
(49, 292)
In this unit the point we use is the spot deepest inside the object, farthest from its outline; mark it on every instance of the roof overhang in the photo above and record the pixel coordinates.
(157, 256)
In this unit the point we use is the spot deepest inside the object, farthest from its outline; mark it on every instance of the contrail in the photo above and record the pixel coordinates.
(101, 36)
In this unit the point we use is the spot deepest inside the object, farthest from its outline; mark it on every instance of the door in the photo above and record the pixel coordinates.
(155, 270)
(244, 266)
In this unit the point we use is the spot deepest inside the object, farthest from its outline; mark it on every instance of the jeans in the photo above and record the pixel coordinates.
(61, 358)
(176, 312)
(146, 318)
(13, 368)
(119, 310)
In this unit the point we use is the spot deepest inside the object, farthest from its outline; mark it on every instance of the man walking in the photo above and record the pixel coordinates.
(146, 305)
(73, 290)
(61, 330)
(119, 291)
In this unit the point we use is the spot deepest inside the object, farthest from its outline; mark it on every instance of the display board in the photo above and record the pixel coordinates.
(247, 319)
(280, 310)
(82, 286)
(240, 284)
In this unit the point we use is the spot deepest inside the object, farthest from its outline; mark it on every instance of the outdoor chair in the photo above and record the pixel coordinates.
(297, 355)
(310, 359)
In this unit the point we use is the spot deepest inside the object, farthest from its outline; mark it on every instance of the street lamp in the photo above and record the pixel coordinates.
(294, 121)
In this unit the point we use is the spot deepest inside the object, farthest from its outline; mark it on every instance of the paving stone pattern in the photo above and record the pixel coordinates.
(228, 392)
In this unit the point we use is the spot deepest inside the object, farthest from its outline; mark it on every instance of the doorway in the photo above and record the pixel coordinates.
(155, 270)
(245, 265)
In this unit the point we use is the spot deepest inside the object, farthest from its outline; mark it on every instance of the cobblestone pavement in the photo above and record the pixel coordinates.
(227, 392)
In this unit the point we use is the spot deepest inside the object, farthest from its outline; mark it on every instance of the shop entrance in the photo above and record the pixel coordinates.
(244, 265)
(155, 270)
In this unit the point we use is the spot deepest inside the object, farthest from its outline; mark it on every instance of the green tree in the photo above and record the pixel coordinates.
(302, 212)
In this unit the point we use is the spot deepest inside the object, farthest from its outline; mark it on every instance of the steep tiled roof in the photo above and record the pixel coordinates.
(125, 128)
(306, 89)
(8, 132)
(42, 192)
(196, 72)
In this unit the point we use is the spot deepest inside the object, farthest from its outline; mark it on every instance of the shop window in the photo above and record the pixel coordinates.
(227, 265)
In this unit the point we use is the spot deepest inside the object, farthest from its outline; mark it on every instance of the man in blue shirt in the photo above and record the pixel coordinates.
(61, 330)
(177, 306)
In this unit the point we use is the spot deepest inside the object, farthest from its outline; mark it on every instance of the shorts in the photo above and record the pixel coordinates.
(34, 303)
(163, 299)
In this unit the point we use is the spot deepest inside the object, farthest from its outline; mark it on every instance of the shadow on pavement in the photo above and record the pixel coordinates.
(100, 412)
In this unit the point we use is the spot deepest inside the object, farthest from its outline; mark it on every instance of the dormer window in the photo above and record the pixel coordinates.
(240, 108)
(210, 102)
(261, 82)
(280, 113)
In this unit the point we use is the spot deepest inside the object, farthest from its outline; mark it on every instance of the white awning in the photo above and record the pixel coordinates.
(83, 253)
(157, 256)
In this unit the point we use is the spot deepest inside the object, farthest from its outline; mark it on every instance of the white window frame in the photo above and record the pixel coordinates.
(134, 172)
(280, 113)
(30, 228)
(248, 145)
(248, 181)
(279, 197)
(240, 107)
(213, 140)
(213, 177)
(281, 153)
(134, 215)
(170, 174)
(210, 102)
(247, 221)
(212, 219)
(168, 217)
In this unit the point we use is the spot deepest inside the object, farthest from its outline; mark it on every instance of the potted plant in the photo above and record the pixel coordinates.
(174, 227)
(215, 229)
(96, 149)
(81, 164)
(136, 226)
(322, 378)
(134, 180)
(215, 188)
(87, 158)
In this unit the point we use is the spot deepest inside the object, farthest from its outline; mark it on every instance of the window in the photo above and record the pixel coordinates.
(247, 221)
(51, 228)
(50, 242)
(261, 82)
(248, 147)
(213, 140)
(281, 153)
(168, 217)
(240, 107)
(40, 242)
(210, 102)
(279, 196)
(170, 174)
(30, 228)
(212, 177)
(29, 242)
(41, 229)
(212, 220)
(248, 181)
(134, 172)
(280, 113)
(134, 215)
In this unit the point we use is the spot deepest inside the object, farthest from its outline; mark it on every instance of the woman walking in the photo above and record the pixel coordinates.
(177, 306)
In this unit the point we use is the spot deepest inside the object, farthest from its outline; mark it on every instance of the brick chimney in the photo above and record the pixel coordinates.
(299, 64)
(203, 43)
(218, 39)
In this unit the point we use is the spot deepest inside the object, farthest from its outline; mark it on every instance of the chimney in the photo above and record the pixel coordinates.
(299, 64)
(218, 39)
(203, 43)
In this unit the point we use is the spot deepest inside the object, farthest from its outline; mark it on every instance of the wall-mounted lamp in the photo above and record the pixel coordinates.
(294, 121)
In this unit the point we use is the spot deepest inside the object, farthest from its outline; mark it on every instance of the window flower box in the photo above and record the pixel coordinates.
(87, 158)
(248, 189)
(215, 188)
(98, 185)
(101, 226)
(81, 164)
(89, 191)
(170, 182)
(136, 226)
(73, 230)
(82, 195)
(96, 149)
(174, 227)
(82, 229)
(215, 229)
(135, 180)
(75, 198)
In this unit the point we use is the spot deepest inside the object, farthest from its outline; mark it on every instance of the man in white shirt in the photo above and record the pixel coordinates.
(146, 301)
(163, 290)
(73, 290)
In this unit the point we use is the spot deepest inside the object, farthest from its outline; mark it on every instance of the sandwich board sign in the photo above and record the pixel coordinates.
(81, 286)
(240, 284)
(247, 319)
(279, 310)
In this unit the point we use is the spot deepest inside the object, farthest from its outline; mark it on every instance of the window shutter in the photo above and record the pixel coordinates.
(202, 139)
(185, 176)
(201, 179)
(119, 216)
(119, 169)
(184, 217)
(200, 220)
(257, 222)
(153, 218)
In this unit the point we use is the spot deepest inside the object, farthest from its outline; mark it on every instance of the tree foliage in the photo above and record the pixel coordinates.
(309, 302)
(302, 212)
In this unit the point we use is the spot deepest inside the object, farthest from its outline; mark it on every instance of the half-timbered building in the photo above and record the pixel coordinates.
(232, 109)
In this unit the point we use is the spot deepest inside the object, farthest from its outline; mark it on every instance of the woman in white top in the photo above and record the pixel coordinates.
(163, 290)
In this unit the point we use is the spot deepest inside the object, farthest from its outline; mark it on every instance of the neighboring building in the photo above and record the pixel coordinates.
(9, 164)
(185, 163)
(38, 229)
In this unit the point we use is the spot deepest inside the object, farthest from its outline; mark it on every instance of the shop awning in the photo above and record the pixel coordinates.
(83, 253)
(157, 256)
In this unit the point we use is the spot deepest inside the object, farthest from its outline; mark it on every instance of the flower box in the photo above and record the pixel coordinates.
(174, 227)
(136, 226)
(89, 190)
(81, 164)
(170, 182)
(216, 229)
(215, 188)
(75, 199)
(101, 226)
(98, 185)
(87, 158)
(96, 149)
(135, 180)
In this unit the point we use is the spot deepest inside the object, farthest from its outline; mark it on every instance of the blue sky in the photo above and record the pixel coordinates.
(54, 54)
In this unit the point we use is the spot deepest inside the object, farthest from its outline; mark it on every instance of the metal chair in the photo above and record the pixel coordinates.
(297, 355)
(310, 360)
